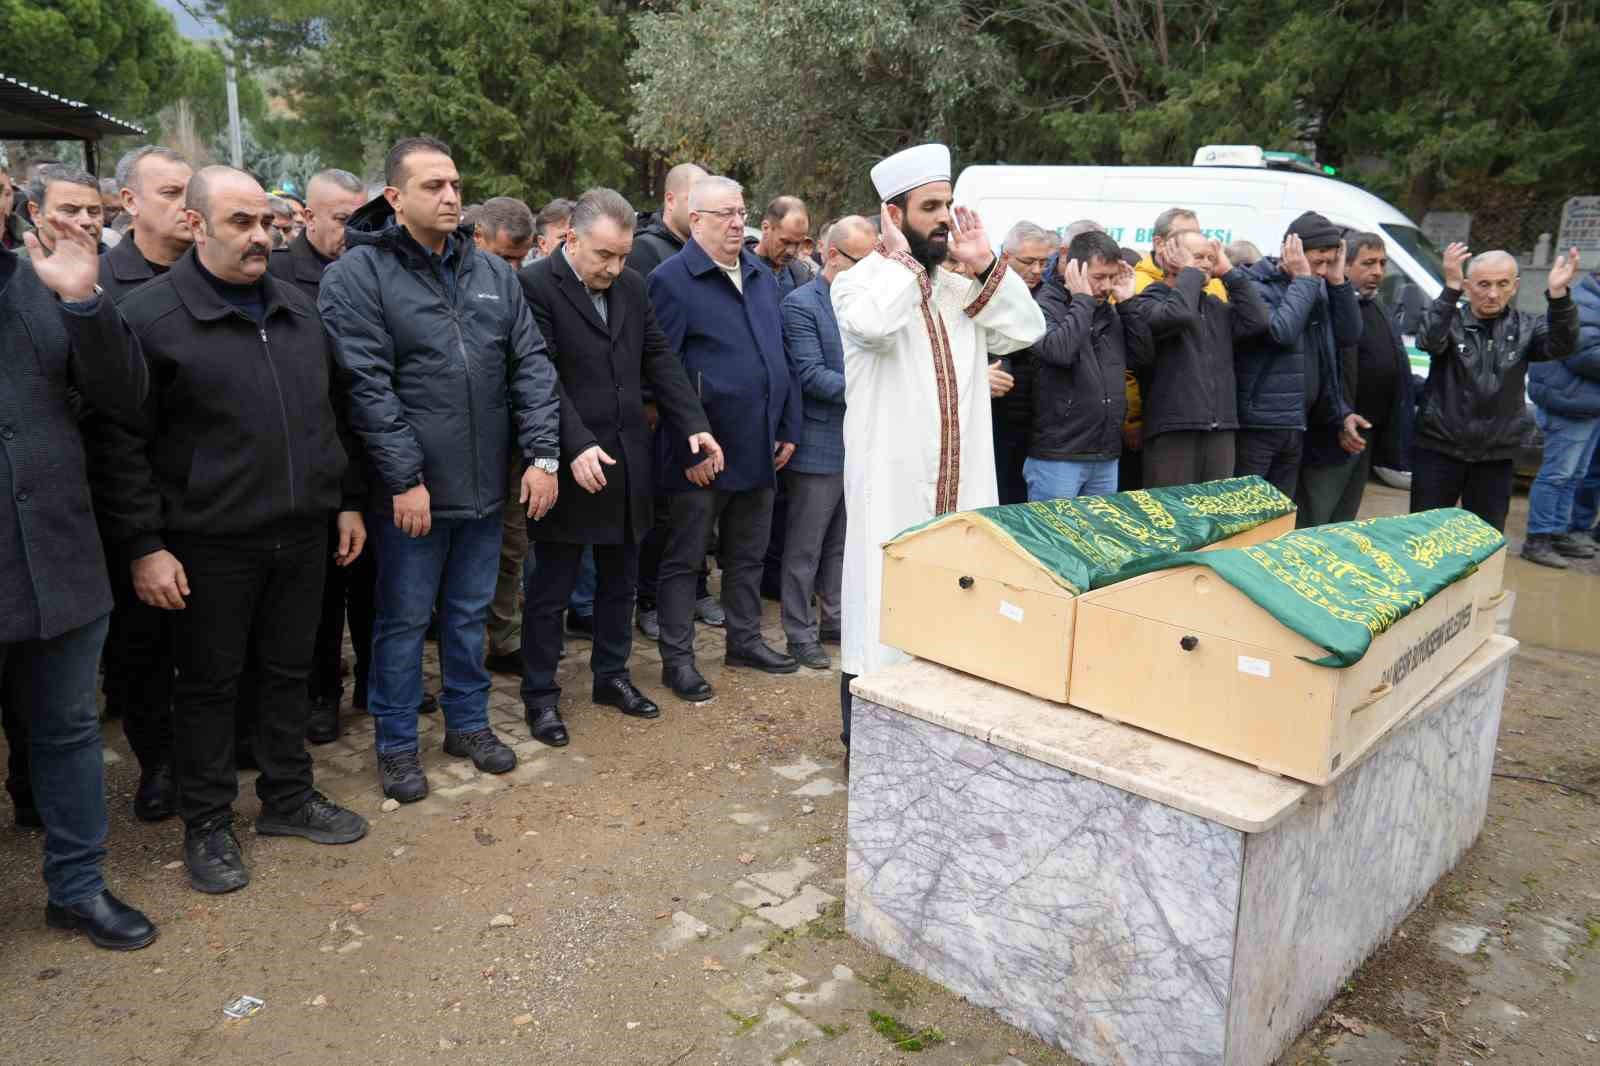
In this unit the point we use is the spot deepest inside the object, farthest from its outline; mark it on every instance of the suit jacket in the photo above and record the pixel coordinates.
(732, 345)
(815, 349)
(300, 265)
(603, 366)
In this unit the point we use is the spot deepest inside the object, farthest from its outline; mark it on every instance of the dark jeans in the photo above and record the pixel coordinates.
(18, 775)
(253, 600)
(1332, 493)
(455, 566)
(1272, 453)
(550, 586)
(1188, 457)
(1437, 480)
(345, 589)
(1010, 451)
(746, 527)
(50, 686)
(813, 557)
(138, 669)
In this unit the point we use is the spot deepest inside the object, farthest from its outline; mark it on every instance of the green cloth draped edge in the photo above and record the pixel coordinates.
(1341, 585)
(1090, 541)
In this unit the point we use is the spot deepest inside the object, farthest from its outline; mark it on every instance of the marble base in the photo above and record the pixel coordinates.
(1126, 930)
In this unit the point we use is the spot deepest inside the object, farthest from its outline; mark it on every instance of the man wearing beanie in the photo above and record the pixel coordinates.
(1289, 377)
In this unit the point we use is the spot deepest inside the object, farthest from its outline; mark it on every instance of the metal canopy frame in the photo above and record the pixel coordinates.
(29, 113)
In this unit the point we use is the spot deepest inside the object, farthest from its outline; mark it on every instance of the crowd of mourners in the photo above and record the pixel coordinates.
(238, 421)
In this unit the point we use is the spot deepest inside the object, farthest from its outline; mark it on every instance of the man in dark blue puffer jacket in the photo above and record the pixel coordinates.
(1566, 395)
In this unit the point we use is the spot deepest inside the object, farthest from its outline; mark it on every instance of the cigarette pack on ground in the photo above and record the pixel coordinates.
(995, 592)
(1298, 653)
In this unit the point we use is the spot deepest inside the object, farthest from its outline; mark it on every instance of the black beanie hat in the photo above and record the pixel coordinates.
(1315, 231)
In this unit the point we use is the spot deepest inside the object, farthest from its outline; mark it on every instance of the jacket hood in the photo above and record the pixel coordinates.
(650, 222)
(374, 223)
(1148, 272)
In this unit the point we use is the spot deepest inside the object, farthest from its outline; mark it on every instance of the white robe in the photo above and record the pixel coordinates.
(915, 446)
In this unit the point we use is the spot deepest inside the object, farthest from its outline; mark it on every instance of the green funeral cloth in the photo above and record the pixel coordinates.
(1341, 585)
(1090, 541)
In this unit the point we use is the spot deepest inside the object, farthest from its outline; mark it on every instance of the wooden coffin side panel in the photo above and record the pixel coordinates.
(1224, 692)
(1012, 635)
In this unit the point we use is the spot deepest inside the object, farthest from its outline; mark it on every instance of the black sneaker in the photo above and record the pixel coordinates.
(322, 724)
(1539, 549)
(211, 853)
(400, 773)
(1573, 545)
(487, 751)
(580, 625)
(319, 820)
(157, 796)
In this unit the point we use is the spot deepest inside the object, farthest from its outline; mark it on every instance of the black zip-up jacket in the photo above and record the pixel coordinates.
(1188, 383)
(1473, 402)
(1079, 399)
(443, 372)
(239, 438)
(54, 362)
(653, 244)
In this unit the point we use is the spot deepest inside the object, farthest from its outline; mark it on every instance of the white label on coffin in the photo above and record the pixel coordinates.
(1011, 611)
(1258, 667)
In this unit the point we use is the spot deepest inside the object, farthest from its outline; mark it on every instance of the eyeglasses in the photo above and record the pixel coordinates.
(727, 214)
(847, 255)
(1027, 263)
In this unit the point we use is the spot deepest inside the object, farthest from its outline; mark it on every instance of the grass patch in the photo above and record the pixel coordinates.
(790, 1051)
(745, 1022)
(888, 985)
(834, 1031)
(903, 1037)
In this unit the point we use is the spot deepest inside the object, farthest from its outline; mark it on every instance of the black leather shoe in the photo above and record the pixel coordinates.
(322, 725)
(761, 657)
(810, 655)
(487, 751)
(400, 774)
(157, 797)
(318, 820)
(547, 727)
(580, 625)
(429, 704)
(619, 692)
(211, 852)
(108, 922)
(831, 636)
(686, 683)
(505, 663)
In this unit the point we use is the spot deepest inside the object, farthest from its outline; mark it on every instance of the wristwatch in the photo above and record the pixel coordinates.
(547, 466)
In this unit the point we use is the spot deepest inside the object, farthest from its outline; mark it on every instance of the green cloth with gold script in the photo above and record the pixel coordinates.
(1087, 542)
(1341, 585)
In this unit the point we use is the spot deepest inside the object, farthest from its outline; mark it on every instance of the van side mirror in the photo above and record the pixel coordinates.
(1411, 303)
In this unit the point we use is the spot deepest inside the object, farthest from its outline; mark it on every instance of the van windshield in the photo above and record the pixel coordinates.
(1419, 247)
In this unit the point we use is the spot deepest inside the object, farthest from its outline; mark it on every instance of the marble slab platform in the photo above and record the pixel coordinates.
(1132, 899)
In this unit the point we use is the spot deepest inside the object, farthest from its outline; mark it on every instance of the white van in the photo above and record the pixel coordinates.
(1239, 192)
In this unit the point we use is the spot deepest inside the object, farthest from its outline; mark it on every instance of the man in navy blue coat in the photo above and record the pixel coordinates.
(718, 306)
(813, 550)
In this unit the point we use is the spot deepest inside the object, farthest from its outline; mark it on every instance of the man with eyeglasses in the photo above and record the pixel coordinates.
(718, 306)
(1026, 250)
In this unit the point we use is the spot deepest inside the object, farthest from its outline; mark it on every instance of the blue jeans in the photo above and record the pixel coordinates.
(1586, 501)
(1062, 479)
(1569, 446)
(455, 564)
(52, 683)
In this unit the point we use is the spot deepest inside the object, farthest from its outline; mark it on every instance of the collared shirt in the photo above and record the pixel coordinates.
(596, 296)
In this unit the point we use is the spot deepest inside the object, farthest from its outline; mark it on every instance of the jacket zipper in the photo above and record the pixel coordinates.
(283, 413)
(466, 366)
(1210, 386)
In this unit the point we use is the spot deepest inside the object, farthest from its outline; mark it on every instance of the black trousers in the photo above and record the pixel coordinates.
(1010, 452)
(1437, 480)
(19, 781)
(138, 669)
(1188, 457)
(255, 601)
(653, 544)
(345, 590)
(1272, 453)
(549, 587)
(742, 543)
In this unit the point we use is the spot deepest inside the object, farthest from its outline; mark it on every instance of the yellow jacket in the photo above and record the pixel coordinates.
(1143, 274)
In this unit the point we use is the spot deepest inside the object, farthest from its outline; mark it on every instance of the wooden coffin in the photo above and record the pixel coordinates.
(965, 594)
(1183, 653)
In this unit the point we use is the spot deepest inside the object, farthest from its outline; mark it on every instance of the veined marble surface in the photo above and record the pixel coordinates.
(1100, 920)
(1329, 884)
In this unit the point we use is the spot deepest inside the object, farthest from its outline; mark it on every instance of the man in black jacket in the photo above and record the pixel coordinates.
(57, 334)
(1187, 384)
(240, 467)
(1478, 356)
(1078, 395)
(443, 358)
(332, 196)
(602, 335)
(660, 236)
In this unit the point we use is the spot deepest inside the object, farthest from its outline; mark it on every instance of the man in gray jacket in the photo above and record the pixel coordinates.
(442, 357)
